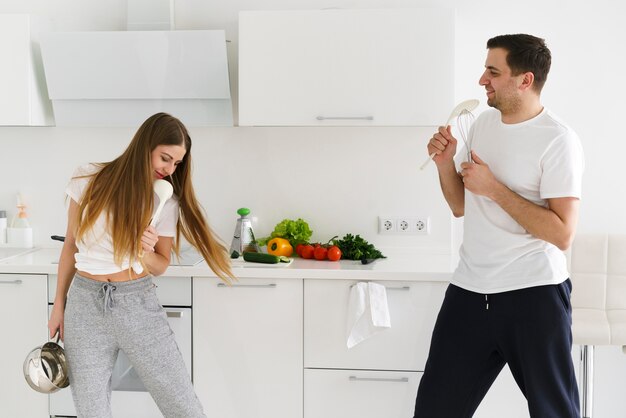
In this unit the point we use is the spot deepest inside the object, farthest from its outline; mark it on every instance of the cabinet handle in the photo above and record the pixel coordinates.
(18, 281)
(404, 288)
(271, 285)
(345, 118)
(174, 314)
(378, 379)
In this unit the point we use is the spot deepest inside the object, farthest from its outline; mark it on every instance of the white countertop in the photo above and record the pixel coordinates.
(403, 266)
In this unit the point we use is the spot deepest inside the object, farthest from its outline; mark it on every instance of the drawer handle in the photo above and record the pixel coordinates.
(18, 281)
(271, 285)
(403, 288)
(378, 379)
(174, 314)
(345, 118)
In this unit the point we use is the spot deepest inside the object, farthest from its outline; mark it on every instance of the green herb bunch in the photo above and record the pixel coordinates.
(356, 248)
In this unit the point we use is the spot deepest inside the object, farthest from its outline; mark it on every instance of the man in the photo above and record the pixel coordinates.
(509, 298)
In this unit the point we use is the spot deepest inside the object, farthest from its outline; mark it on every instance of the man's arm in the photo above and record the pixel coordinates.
(443, 145)
(555, 224)
(452, 188)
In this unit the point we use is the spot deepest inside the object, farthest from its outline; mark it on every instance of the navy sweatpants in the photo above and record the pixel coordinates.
(476, 334)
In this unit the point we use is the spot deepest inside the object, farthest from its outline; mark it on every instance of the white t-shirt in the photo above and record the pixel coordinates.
(538, 159)
(95, 249)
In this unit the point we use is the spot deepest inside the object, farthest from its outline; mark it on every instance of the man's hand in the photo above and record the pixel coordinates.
(477, 177)
(443, 145)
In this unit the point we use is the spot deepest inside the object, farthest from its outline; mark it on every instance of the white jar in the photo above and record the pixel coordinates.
(20, 237)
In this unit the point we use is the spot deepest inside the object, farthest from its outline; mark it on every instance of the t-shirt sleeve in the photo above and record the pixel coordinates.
(166, 225)
(80, 178)
(563, 165)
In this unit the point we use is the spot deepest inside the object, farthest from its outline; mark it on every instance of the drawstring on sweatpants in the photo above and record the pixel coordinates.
(106, 294)
(486, 302)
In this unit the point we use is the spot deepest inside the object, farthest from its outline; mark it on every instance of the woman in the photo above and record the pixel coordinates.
(109, 257)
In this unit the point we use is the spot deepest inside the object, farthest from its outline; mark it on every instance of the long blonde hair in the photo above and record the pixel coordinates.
(123, 190)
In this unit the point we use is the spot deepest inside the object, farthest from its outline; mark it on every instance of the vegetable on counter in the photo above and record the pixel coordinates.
(295, 232)
(319, 251)
(353, 247)
(264, 258)
(307, 251)
(334, 253)
(279, 246)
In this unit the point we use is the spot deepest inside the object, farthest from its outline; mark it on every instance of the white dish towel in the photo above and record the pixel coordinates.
(368, 312)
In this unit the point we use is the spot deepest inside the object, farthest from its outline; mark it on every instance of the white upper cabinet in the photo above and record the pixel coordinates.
(390, 67)
(23, 94)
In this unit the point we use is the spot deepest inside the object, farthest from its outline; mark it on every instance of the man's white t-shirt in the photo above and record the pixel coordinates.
(95, 249)
(538, 159)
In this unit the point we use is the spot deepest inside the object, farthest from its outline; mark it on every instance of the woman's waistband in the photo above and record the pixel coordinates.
(128, 286)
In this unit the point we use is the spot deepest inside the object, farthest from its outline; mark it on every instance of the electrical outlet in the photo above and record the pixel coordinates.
(404, 225)
(386, 225)
(421, 225)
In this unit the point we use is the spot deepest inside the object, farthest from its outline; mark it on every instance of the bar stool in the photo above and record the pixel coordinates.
(598, 273)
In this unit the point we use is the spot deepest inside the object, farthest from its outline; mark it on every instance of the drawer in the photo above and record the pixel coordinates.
(413, 308)
(359, 393)
(172, 291)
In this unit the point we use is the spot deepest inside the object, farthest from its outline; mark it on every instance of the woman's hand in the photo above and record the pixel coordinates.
(149, 239)
(55, 324)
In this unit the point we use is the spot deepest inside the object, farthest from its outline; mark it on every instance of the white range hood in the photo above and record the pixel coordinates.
(121, 78)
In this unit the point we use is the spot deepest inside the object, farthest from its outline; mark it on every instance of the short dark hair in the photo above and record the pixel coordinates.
(525, 53)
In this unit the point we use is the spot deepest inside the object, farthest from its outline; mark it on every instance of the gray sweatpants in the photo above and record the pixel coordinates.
(101, 319)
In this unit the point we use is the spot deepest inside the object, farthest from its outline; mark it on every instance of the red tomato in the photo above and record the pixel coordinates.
(320, 253)
(299, 249)
(307, 251)
(334, 253)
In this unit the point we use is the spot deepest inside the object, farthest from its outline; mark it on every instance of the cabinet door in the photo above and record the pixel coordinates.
(346, 67)
(248, 347)
(24, 99)
(359, 394)
(413, 308)
(24, 318)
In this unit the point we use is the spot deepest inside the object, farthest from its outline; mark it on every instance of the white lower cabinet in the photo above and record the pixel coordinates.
(379, 376)
(359, 394)
(23, 319)
(248, 347)
(413, 309)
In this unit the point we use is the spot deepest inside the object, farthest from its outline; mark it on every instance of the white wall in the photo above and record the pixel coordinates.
(340, 179)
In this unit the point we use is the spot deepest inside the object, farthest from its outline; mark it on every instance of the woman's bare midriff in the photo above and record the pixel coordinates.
(120, 276)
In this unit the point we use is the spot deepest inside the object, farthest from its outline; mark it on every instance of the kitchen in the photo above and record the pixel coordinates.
(374, 169)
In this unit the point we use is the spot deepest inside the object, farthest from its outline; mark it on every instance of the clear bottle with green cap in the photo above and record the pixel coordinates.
(243, 237)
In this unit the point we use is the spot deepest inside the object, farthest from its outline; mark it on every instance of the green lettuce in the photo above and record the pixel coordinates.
(296, 232)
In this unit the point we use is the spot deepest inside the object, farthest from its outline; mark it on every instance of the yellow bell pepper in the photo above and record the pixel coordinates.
(279, 246)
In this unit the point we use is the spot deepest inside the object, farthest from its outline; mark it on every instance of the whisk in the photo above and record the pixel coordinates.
(463, 123)
(466, 106)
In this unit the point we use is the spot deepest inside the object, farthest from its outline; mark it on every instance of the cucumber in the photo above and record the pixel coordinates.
(264, 258)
